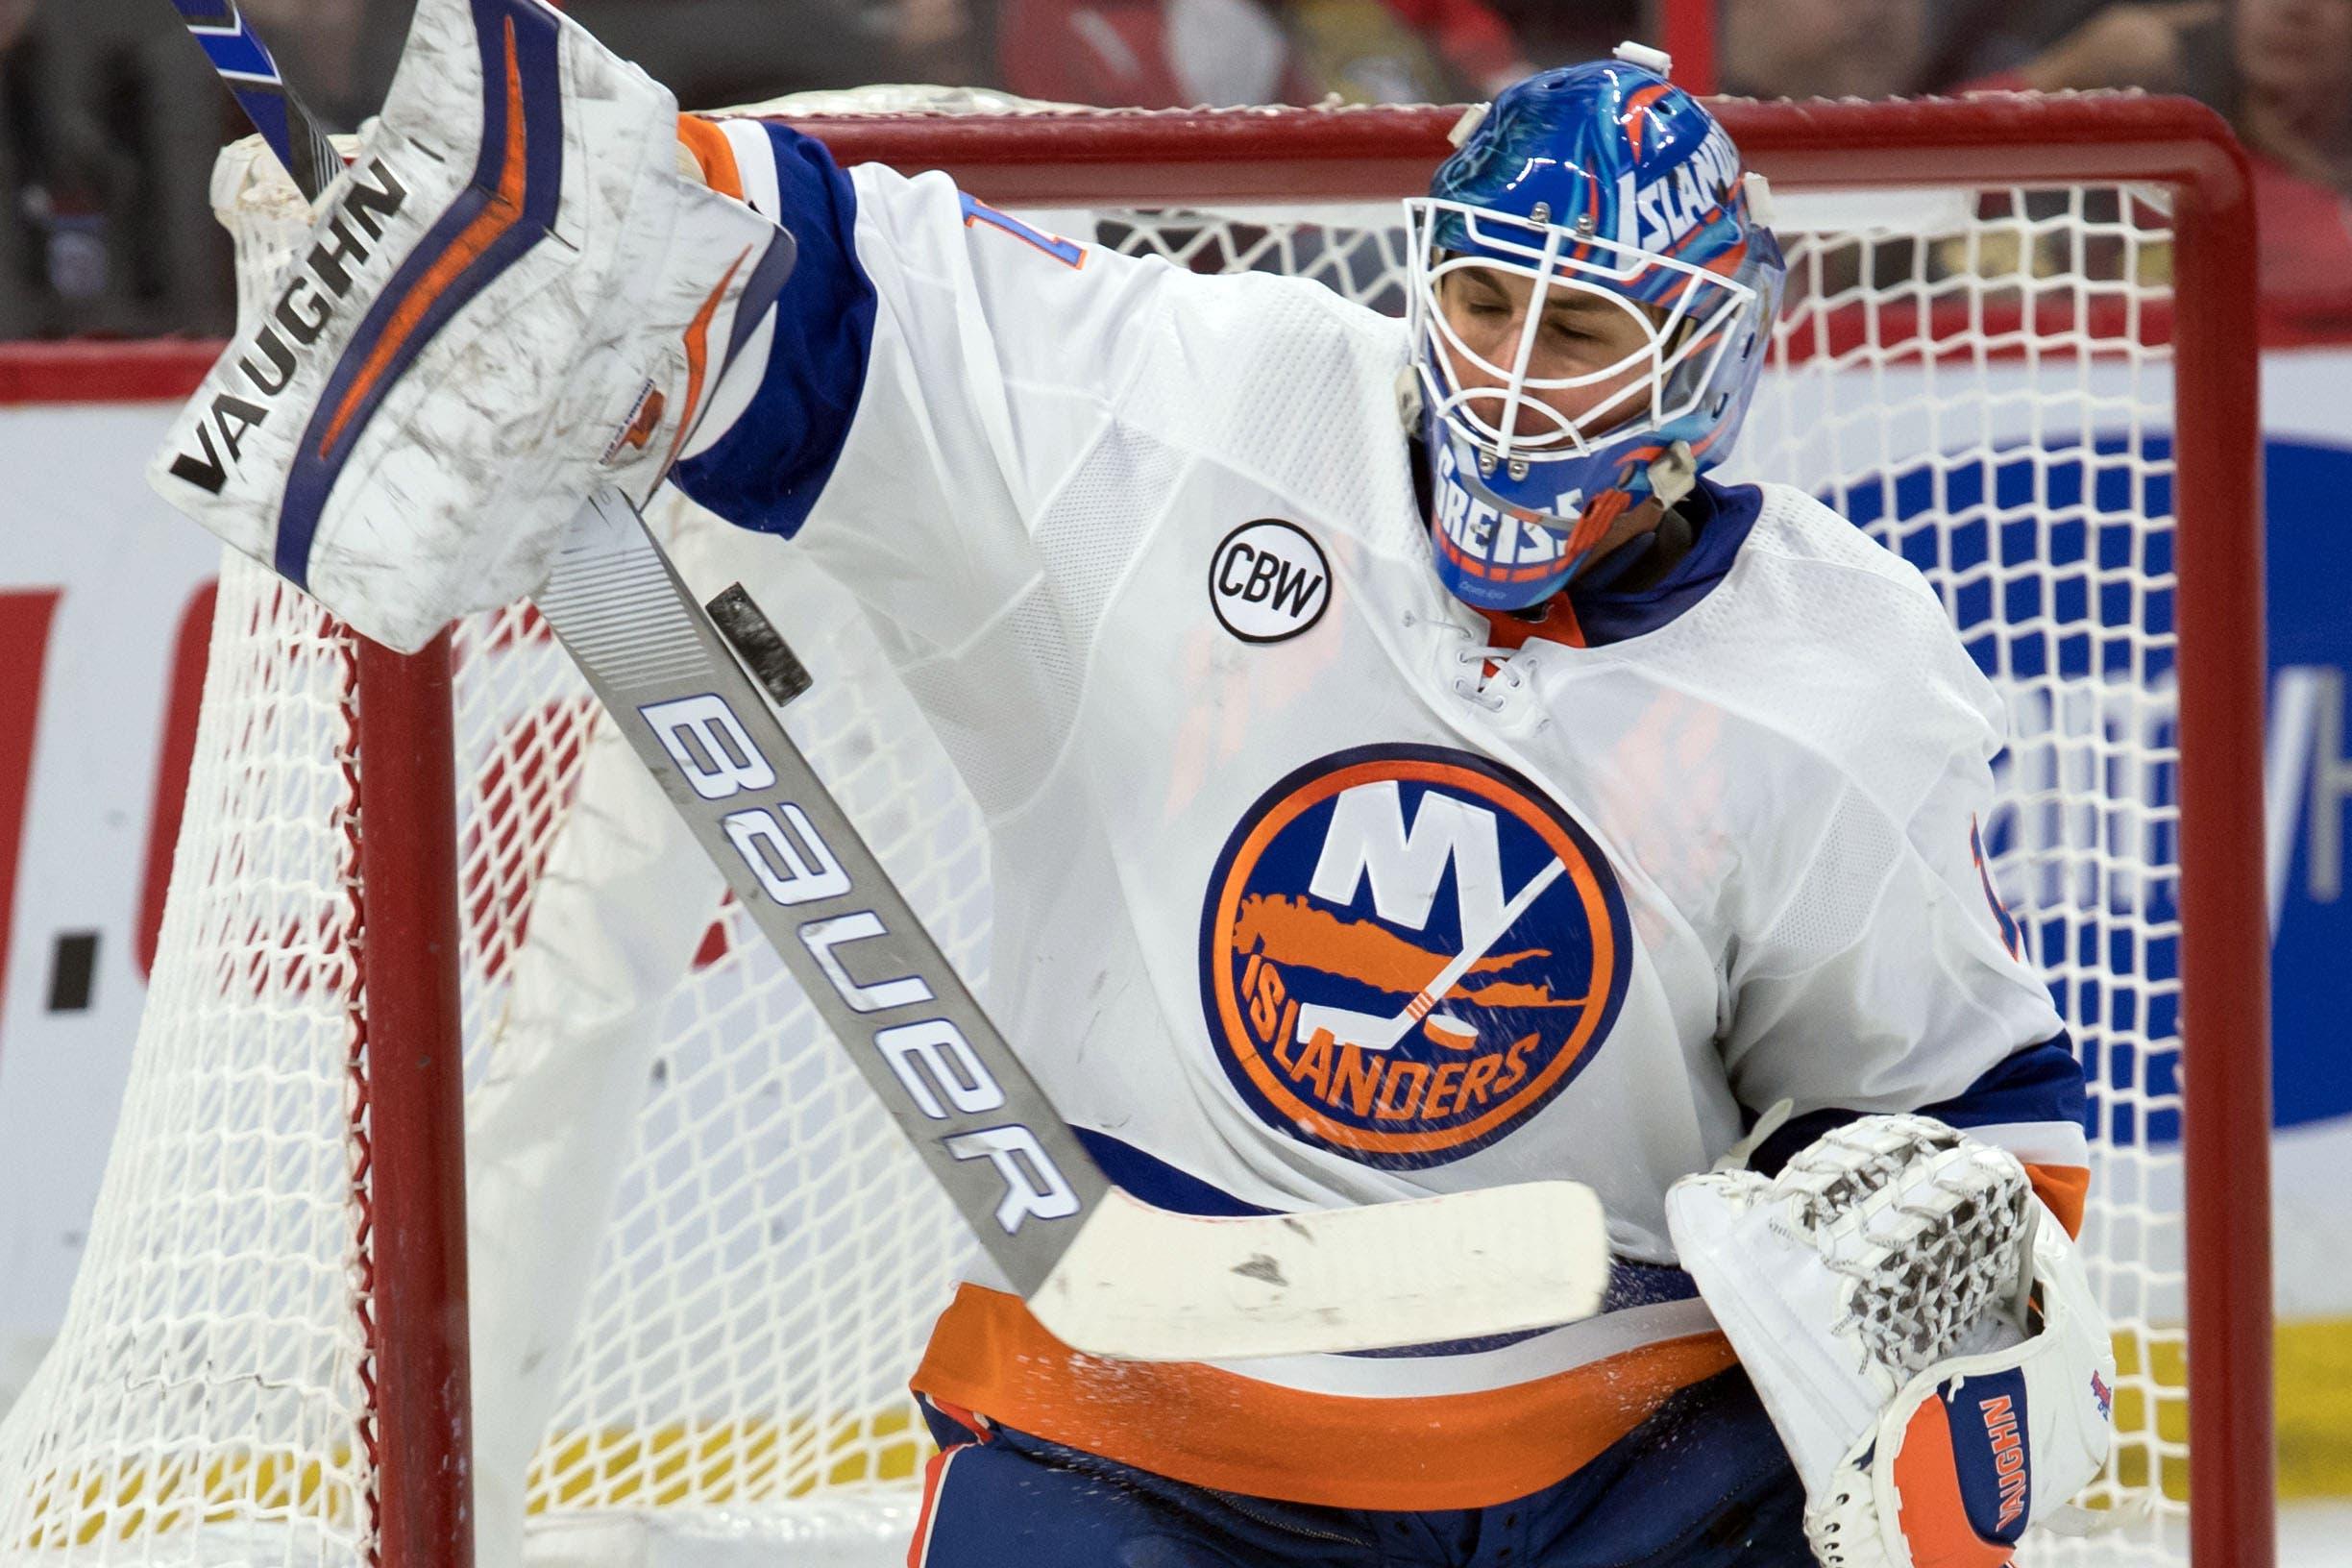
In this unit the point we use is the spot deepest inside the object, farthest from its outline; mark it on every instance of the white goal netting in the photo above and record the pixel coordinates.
(703, 1264)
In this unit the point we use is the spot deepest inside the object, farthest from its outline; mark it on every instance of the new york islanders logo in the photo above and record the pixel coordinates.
(1407, 951)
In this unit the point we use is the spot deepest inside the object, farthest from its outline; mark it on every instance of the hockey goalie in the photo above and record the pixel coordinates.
(1406, 772)
(1407, 769)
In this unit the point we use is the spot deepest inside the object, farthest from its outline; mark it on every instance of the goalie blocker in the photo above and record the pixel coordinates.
(1920, 1330)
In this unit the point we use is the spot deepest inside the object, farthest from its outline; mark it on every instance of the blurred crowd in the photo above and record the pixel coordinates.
(108, 118)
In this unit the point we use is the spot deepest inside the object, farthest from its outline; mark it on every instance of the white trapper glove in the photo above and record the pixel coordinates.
(1921, 1332)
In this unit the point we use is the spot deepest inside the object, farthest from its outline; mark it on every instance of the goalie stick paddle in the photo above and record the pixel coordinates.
(1105, 1272)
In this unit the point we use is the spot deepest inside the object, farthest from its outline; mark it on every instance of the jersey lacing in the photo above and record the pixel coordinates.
(1481, 667)
(1484, 667)
(1494, 667)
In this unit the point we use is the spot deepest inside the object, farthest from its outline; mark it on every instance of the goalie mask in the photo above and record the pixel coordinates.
(1591, 299)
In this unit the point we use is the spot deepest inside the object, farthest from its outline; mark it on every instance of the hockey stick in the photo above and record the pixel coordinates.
(251, 76)
(1102, 1270)
(1369, 1031)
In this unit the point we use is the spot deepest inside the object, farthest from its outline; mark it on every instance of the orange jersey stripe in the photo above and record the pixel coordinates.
(713, 153)
(2062, 1190)
(1211, 1428)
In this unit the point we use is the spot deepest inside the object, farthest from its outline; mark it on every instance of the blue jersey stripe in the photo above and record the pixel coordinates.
(2041, 1083)
(769, 468)
(1158, 1183)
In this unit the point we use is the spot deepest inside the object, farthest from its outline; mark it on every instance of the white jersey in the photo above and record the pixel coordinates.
(1307, 895)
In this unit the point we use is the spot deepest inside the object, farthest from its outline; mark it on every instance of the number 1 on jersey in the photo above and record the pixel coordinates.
(1068, 252)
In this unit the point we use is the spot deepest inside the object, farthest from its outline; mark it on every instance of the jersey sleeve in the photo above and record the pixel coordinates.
(1891, 978)
(932, 372)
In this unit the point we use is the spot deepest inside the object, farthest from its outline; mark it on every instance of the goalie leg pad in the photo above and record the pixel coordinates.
(1929, 1352)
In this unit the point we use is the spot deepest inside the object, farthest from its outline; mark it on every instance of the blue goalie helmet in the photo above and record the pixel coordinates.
(1596, 188)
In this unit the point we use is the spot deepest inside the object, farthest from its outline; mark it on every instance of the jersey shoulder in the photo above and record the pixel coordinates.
(925, 226)
(1273, 346)
(1842, 648)
(1832, 562)
(1263, 371)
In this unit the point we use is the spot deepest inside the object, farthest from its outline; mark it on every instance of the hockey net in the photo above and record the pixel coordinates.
(703, 1262)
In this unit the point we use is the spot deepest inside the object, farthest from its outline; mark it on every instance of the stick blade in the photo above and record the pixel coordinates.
(1142, 1283)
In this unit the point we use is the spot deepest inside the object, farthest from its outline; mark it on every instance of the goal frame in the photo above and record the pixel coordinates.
(408, 864)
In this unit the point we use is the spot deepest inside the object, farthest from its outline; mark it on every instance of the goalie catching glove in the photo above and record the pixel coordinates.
(1921, 1332)
(511, 298)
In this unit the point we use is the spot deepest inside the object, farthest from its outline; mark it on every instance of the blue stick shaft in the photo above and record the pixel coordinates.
(245, 63)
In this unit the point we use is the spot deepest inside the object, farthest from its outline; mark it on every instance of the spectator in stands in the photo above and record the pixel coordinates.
(1552, 34)
(2294, 108)
(19, 274)
(1143, 54)
(1399, 51)
(1824, 48)
(940, 41)
(2288, 93)
(2160, 47)
(1168, 53)
(111, 116)
(317, 45)
(720, 53)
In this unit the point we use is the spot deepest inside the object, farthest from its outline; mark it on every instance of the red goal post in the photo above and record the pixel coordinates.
(408, 890)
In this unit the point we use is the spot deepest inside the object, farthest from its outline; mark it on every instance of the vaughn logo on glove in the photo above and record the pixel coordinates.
(310, 299)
